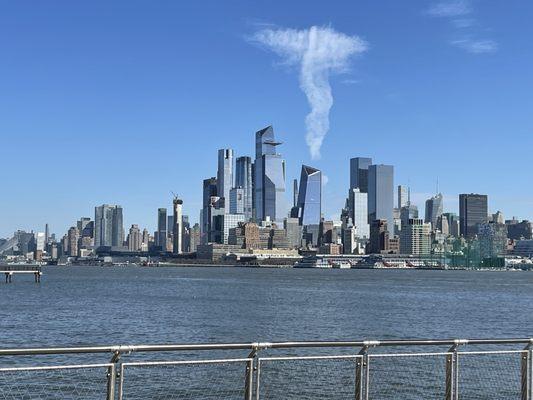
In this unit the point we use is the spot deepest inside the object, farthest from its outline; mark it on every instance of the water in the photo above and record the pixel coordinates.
(109, 306)
(98, 306)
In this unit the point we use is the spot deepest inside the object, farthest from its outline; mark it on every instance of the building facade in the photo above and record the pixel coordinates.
(381, 194)
(269, 182)
(473, 210)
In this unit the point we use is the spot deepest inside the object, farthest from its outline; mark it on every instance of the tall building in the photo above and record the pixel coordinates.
(134, 238)
(310, 196)
(434, 208)
(108, 226)
(415, 237)
(161, 237)
(225, 175)
(269, 183)
(72, 241)
(379, 237)
(492, 239)
(237, 201)
(177, 227)
(403, 196)
(209, 192)
(358, 206)
(381, 194)
(359, 173)
(244, 179)
(473, 210)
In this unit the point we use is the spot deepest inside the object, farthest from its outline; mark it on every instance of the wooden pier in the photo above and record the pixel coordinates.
(10, 270)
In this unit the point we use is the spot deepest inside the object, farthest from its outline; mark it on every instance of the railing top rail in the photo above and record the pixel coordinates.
(258, 346)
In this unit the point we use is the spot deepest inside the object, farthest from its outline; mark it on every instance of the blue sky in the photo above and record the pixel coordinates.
(123, 101)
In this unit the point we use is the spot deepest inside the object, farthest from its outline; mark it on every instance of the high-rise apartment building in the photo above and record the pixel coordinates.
(310, 196)
(473, 210)
(269, 183)
(244, 179)
(108, 226)
(416, 237)
(381, 194)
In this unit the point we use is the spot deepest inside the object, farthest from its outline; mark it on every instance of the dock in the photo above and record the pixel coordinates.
(14, 269)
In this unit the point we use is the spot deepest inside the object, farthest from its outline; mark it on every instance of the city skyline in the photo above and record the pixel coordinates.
(128, 129)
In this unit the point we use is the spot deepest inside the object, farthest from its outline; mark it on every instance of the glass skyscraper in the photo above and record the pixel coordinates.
(269, 182)
(433, 210)
(225, 175)
(310, 196)
(473, 210)
(108, 226)
(359, 173)
(381, 194)
(244, 179)
(358, 206)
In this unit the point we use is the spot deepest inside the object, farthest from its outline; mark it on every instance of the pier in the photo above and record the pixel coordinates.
(10, 270)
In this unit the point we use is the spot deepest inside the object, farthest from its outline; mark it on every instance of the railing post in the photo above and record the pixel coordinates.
(526, 373)
(112, 375)
(362, 374)
(249, 378)
(449, 376)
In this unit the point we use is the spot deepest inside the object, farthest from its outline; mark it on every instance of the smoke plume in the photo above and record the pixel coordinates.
(317, 52)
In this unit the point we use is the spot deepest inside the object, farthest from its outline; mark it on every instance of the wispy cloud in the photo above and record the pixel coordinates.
(476, 46)
(459, 13)
(450, 9)
(318, 52)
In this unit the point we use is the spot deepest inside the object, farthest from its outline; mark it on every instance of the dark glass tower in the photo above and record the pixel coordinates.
(473, 210)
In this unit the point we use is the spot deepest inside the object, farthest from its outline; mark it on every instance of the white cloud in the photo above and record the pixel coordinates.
(450, 9)
(476, 46)
(456, 11)
(318, 52)
(325, 179)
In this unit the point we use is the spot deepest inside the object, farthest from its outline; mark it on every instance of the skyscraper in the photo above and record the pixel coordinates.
(433, 210)
(381, 194)
(244, 180)
(473, 210)
(161, 239)
(225, 175)
(359, 173)
(237, 200)
(358, 206)
(403, 196)
(310, 196)
(134, 238)
(269, 184)
(108, 226)
(177, 228)
(209, 191)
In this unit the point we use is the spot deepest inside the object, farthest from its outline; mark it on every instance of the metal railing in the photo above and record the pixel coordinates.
(389, 369)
